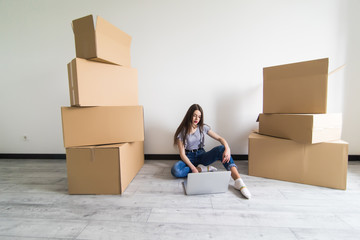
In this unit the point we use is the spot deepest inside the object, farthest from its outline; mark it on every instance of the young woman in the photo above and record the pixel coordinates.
(190, 139)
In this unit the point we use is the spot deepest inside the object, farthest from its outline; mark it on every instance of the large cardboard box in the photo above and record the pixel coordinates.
(296, 88)
(321, 164)
(106, 169)
(103, 42)
(100, 84)
(303, 128)
(84, 126)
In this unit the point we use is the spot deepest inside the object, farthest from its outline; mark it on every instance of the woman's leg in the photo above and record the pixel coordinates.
(234, 173)
(216, 153)
(180, 169)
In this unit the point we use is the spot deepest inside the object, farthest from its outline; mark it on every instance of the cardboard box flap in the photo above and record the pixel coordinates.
(115, 44)
(336, 69)
(297, 70)
(296, 88)
(101, 41)
(84, 33)
(106, 28)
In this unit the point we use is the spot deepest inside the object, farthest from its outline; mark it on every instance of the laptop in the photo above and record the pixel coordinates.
(207, 182)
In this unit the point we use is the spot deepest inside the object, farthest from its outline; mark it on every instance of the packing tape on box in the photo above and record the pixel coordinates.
(71, 83)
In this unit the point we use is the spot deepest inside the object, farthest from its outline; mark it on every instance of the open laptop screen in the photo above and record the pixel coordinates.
(207, 182)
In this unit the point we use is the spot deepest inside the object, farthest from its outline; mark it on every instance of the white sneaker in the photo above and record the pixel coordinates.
(207, 168)
(240, 185)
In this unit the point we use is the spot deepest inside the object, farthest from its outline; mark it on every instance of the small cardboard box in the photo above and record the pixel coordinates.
(296, 88)
(103, 42)
(321, 164)
(84, 126)
(303, 128)
(100, 84)
(105, 169)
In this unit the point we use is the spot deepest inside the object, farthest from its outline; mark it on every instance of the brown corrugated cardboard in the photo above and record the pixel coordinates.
(303, 128)
(100, 84)
(105, 42)
(321, 164)
(296, 88)
(105, 169)
(102, 125)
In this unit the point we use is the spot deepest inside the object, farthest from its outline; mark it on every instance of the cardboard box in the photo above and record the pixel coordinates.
(100, 84)
(321, 164)
(303, 128)
(84, 126)
(106, 169)
(103, 42)
(296, 88)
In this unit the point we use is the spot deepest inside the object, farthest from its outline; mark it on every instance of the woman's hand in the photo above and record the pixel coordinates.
(194, 170)
(226, 156)
(185, 158)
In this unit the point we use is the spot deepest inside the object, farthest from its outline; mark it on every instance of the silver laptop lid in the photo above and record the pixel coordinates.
(207, 182)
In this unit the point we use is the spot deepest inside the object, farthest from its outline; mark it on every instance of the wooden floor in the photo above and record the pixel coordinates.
(34, 204)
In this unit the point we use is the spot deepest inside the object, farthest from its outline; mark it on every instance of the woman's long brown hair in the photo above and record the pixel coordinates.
(185, 125)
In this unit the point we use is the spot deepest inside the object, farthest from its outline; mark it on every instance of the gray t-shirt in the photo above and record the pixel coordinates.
(195, 140)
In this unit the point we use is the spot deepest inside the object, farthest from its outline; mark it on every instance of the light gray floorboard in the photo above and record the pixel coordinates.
(166, 231)
(34, 204)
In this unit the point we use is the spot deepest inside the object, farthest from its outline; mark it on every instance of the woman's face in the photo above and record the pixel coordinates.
(196, 117)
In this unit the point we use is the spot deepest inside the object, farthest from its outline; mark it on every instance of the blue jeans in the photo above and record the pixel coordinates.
(180, 169)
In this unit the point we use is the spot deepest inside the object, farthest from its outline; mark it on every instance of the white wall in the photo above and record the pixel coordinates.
(203, 51)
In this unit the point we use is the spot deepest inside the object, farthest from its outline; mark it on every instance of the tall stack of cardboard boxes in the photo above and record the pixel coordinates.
(298, 141)
(103, 130)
